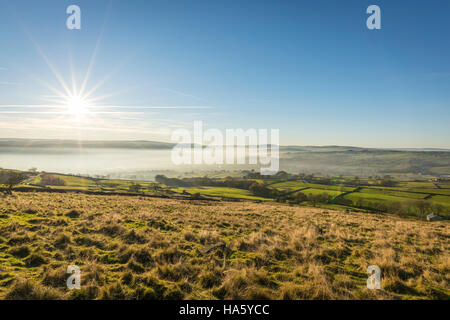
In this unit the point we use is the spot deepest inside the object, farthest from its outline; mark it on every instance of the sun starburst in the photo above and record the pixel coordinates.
(76, 105)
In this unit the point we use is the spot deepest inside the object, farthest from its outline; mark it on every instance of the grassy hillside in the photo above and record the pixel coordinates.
(145, 248)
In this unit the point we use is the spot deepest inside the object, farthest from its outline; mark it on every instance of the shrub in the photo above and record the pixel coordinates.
(51, 180)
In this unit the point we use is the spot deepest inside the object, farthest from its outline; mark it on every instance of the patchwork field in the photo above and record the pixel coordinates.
(149, 248)
(87, 184)
(221, 192)
(407, 198)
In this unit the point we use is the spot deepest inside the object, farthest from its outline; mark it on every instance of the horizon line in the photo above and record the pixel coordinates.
(280, 145)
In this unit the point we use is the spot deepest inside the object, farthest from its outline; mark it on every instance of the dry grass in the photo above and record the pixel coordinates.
(140, 248)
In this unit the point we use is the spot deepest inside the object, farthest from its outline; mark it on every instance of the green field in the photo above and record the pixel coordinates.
(296, 185)
(221, 192)
(388, 197)
(394, 193)
(444, 200)
(435, 191)
(416, 185)
(370, 196)
(88, 184)
(313, 191)
(288, 185)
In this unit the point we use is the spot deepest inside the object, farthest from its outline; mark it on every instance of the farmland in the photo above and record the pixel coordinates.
(408, 198)
(221, 192)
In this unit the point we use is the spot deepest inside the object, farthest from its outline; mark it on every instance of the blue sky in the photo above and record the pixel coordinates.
(309, 68)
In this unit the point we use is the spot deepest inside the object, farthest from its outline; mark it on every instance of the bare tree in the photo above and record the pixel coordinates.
(135, 188)
(300, 197)
(11, 179)
(423, 207)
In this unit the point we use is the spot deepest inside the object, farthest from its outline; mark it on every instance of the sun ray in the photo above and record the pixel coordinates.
(59, 102)
(99, 98)
(72, 73)
(153, 107)
(94, 54)
(99, 84)
(104, 80)
(91, 65)
(75, 101)
(54, 90)
(50, 65)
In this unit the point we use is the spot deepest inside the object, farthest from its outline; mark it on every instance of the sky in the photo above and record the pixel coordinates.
(311, 69)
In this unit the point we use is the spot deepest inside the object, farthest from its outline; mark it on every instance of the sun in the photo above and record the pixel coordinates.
(77, 105)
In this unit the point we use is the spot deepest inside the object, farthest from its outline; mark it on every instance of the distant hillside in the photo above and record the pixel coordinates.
(366, 162)
(143, 144)
(350, 148)
(53, 143)
(321, 160)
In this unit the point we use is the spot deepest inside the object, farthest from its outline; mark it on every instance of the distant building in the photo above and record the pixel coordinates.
(433, 217)
(444, 177)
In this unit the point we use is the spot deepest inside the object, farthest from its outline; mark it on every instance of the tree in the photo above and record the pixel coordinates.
(155, 187)
(135, 188)
(261, 190)
(423, 207)
(171, 182)
(11, 179)
(196, 196)
(313, 199)
(324, 197)
(318, 198)
(438, 208)
(300, 197)
(395, 207)
(51, 180)
(282, 175)
(388, 182)
(344, 202)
